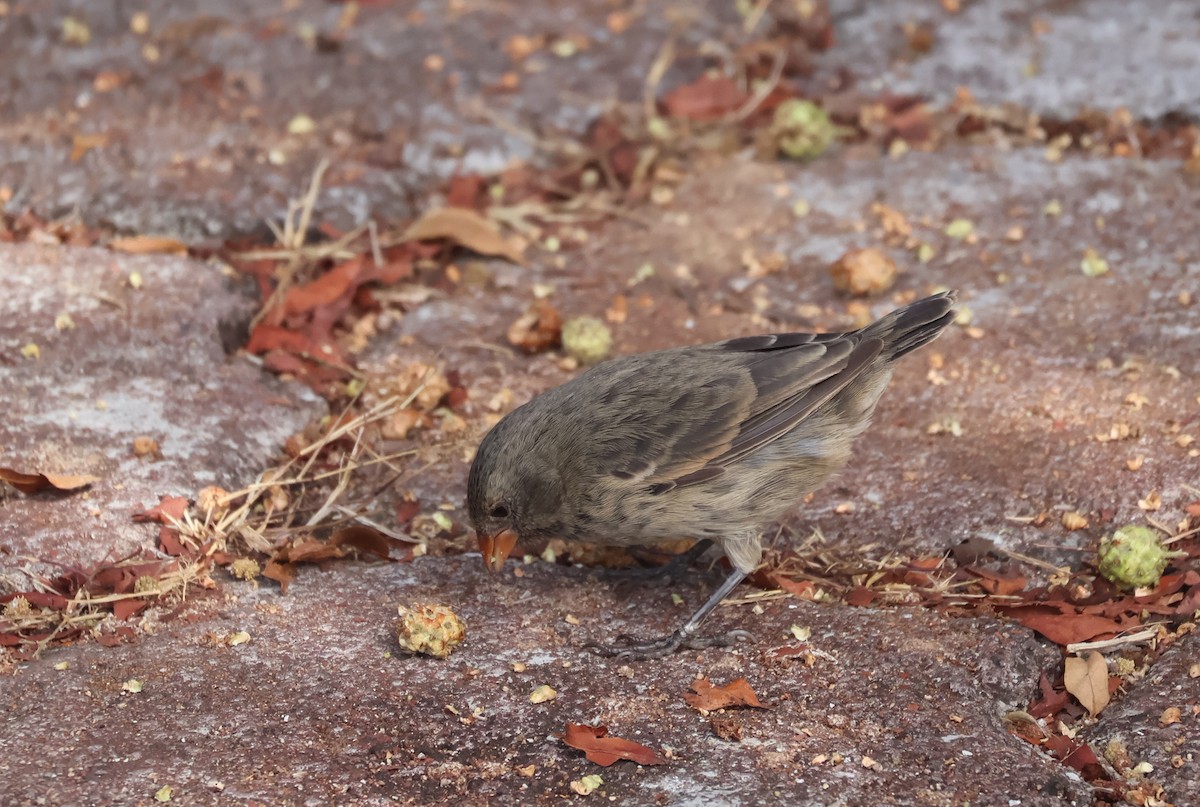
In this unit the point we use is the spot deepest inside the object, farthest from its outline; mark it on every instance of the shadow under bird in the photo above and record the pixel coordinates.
(710, 441)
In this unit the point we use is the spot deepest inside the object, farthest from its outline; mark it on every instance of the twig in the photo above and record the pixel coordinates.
(764, 90)
(654, 76)
(755, 16)
(1119, 641)
(376, 252)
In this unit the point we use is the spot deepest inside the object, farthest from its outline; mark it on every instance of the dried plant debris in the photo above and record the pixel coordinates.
(604, 750)
(432, 630)
(706, 697)
(33, 482)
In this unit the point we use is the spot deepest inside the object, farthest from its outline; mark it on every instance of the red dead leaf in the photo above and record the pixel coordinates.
(31, 483)
(466, 190)
(337, 283)
(598, 747)
(797, 588)
(168, 538)
(1063, 628)
(282, 573)
(407, 510)
(265, 338)
(993, 583)
(1081, 757)
(860, 596)
(120, 636)
(1051, 702)
(170, 509)
(706, 99)
(788, 651)
(147, 244)
(310, 551)
(123, 609)
(707, 698)
(465, 228)
(1193, 509)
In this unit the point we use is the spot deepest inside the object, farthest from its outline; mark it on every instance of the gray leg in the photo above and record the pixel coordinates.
(635, 650)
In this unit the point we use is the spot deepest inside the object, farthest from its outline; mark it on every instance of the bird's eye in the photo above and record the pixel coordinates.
(499, 511)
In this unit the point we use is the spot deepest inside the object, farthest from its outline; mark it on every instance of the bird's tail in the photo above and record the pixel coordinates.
(906, 329)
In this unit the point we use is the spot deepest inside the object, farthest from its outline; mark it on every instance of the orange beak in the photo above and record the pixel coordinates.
(496, 548)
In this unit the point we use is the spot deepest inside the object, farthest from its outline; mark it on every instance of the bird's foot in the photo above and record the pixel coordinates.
(634, 649)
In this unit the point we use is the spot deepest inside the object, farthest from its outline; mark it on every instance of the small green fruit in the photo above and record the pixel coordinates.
(802, 130)
(1134, 557)
(587, 340)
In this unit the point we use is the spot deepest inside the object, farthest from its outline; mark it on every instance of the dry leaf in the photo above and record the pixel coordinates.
(1081, 757)
(31, 483)
(465, 228)
(364, 539)
(862, 272)
(538, 329)
(282, 573)
(147, 244)
(598, 747)
(707, 698)
(542, 694)
(1074, 521)
(708, 98)
(1172, 714)
(1063, 628)
(1087, 679)
(81, 144)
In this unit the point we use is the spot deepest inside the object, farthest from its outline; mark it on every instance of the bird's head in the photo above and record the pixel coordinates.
(514, 489)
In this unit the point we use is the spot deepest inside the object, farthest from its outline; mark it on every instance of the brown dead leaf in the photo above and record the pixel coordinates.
(31, 483)
(124, 609)
(1170, 715)
(364, 539)
(994, 583)
(598, 747)
(465, 228)
(1063, 628)
(81, 144)
(169, 510)
(863, 272)
(707, 98)
(860, 596)
(1079, 756)
(538, 329)
(1051, 702)
(282, 573)
(707, 698)
(147, 244)
(1087, 679)
(339, 282)
(308, 551)
(727, 728)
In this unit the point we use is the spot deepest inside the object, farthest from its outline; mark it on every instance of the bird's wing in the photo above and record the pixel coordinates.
(721, 402)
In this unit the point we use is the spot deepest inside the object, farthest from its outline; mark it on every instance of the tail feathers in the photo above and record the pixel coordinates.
(906, 329)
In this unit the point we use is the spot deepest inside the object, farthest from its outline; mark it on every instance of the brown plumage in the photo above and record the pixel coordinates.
(710, 441)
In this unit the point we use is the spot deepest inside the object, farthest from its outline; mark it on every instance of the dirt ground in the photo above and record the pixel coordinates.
(222, 345)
